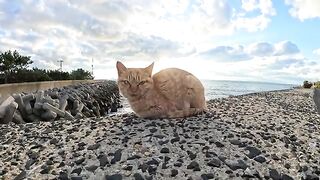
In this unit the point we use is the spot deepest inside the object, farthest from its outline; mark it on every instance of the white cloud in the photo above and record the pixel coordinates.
(173, 33)
(304, 9)
(286, 47)
(316, 52)
(265, 6)
(261, 49)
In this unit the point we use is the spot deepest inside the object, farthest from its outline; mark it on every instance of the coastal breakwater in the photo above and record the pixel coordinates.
(90, 99)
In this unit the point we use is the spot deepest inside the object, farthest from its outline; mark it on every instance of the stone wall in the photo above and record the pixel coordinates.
(7, 89)
(69, 102)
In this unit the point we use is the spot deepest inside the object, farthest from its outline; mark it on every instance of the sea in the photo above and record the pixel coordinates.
(222, 88)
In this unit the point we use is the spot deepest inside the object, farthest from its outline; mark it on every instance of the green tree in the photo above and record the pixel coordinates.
(58, 75)
(81, 74)
(11, 62)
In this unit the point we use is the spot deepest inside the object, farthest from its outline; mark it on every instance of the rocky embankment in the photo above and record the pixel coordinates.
(272, 135)
(70, 102)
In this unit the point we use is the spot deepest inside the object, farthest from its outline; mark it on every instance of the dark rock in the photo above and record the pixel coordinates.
(286, 177)
(76, 170)
(45, 169)
(49, 162)
(235, 141)
(76, 178)
(152, 169)
(166, 159)
(192, 156)
(143, 167)
(174, 172)
(117, 156)
(312, 177)
(250, 173)
(54, 141)
(194, 165)
(29, 163)
(207, 176)
(260, 159)
(153, 130)
(114, 177)
(274, 174)
(253, 151)
(128, 168)
(134, 157)
(63, 176)
(219, 144)
(153, 162)
(80, 161)
(21, 176)
(161, 142)
(275, 157)
(177, 164)
(214, 163)
(234, 165)
(61, 164)
(138, 176)
(91, 168)
(94, 146)
(164, 150)
(175, 139)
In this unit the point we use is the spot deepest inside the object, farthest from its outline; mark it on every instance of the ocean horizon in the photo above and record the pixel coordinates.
(224, 88)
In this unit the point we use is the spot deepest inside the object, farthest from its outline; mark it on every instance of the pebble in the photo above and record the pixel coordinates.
(91, 168)
(260, 159)
(274, 174)
(214, 163)
(253, 151)
(236, 164)
(103, 159)
(138, 176)
(117, 156)
(21, 176)
(94, 146)
(114, 177)
(174, 172)
(164, 150)
(80, 161)
(194, 165)
(76, 171)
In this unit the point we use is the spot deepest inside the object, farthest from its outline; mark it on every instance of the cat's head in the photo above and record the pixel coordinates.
(134, 82)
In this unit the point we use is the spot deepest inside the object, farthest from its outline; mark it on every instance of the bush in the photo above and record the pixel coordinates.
(317, 84)
(307, 84)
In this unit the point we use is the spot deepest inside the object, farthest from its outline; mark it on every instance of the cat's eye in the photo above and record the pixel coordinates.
(125, 82)
(142, 83)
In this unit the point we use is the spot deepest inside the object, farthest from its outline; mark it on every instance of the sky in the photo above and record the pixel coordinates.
(249, 40)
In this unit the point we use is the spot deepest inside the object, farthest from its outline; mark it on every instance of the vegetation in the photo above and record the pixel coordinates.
(14, 69)
(307, 84)
(317, 84)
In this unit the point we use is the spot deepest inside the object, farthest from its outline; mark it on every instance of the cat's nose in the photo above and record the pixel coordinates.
(134, 89)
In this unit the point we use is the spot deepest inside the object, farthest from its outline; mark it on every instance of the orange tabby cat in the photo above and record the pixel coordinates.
(170, 93)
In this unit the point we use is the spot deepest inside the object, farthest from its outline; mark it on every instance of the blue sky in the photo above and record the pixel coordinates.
(254, 40)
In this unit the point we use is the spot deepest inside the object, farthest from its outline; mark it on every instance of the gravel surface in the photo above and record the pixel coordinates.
(272, 135)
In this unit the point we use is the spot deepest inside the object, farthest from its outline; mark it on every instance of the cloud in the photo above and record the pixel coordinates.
(286, 47)
(316, 52)
(174, 33)
(305, 9)
(261, 49)
(262, 10)
(225, 53)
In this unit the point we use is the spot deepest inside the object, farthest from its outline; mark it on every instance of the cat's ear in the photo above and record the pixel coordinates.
(149, 69)
(121, 68)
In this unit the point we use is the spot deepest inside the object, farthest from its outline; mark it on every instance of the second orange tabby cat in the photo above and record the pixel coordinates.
(170, 93)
